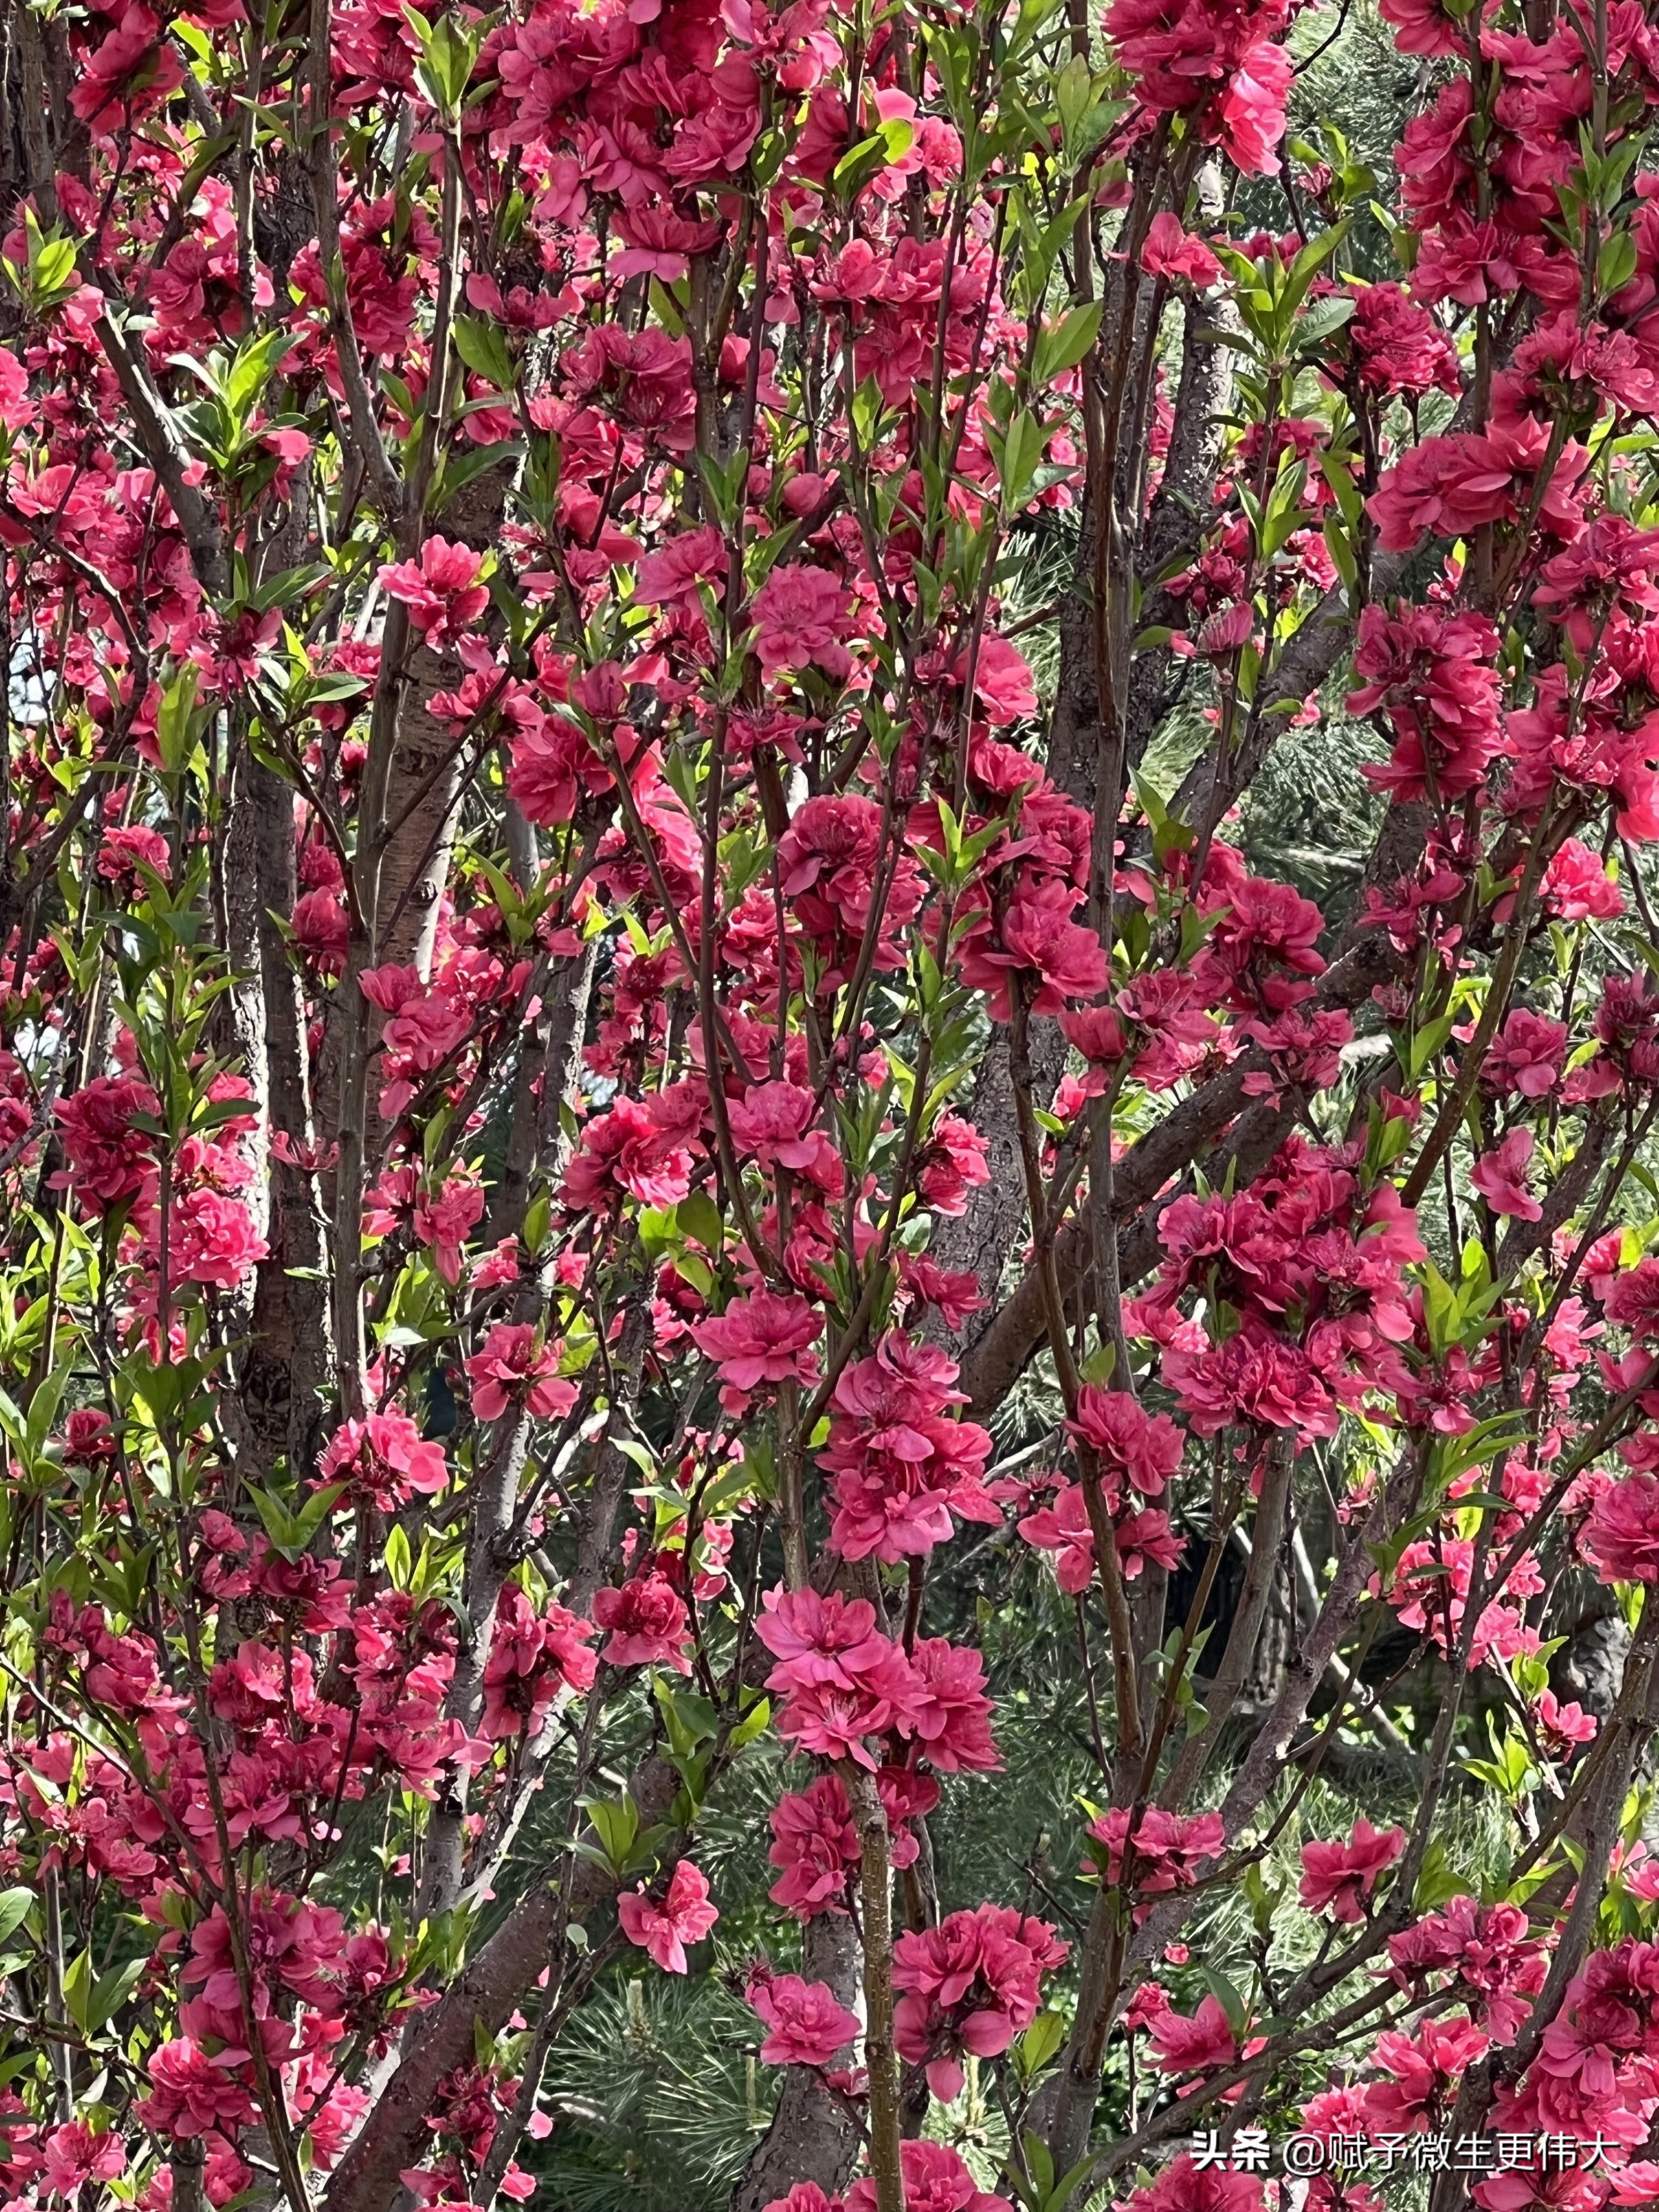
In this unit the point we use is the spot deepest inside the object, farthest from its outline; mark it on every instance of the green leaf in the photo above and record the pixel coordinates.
(112, 1991)
(77, 1990)
(697, 1216)
(1226, 1995)
(15, 1905)
(483, 346)
(1061, 345)
(1037, 2046)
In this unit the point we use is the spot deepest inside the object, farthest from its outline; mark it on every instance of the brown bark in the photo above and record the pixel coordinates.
(812, 2137)
(491, 1985)
(1145, 1182)
(493, 1497)
(287, 1372)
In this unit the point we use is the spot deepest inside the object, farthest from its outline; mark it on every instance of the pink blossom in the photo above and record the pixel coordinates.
(1448, 487)
(440, 590)
(191, 2093)
(1186, 2186)
(800, 617)
(643, 1147)
(1195, 2045)
(969, 1985)
(1144, 1449)
(1576, 887)
(1252, 1379)
(1003, 683)
(670, 575)
(663, 1930)
(951, 1165)
(1421, 2073)
(1171, 251)
(648, 1623)
(898, 1467)
(807, 2025)
(74, 2156)
(383, 1460)
(948, 1710)
(1527, 1055)
(1399, 346)
(514, 1368)
(657, 241)
(935, 2179)
(1063, 1527)
(1499, 1176)
(17, 410)
(1167, 1851)
(1253, 108)
(1563, 1727)
(531, 1656)
(816, 1847)
(773, 1121)
(841, 1678)
(122, 849)
(1037, 939)
(108, 1159)
(1621, 1537)
(212, 1239)
(763, 1338)
(129, 72)
(1343, 1875)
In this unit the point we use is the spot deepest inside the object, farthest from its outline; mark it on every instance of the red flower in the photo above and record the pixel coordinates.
(663, 1931)
(383, 1460)
(515, 1369)
(1621, 1536)
(1004, 685)
(1343, 1875)
(1449, 486)
(440, 590)
(807, 2023)
(648, 1623)
(1577, 888)
(935, 2179)
(1500, 1177)
(1170, 252)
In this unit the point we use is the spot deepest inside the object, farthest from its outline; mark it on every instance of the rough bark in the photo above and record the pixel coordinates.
(493, 1500)
(286, 1371)
(395, 2131)
(428, 763)
(812, 2137)
(1192, 1131)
